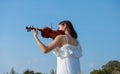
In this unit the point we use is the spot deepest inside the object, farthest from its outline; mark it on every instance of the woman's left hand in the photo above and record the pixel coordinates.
(35, 32)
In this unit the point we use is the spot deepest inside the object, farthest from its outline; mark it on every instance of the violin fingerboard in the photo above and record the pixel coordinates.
(28, 30)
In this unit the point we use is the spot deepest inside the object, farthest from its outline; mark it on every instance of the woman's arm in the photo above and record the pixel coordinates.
(51, 46)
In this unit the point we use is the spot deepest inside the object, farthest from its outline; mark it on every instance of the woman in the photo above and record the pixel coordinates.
(66, 48)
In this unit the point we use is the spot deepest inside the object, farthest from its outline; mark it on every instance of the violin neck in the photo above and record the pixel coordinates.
(39, 29)
(32, 28)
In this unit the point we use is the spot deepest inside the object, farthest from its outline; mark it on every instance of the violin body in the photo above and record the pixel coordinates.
(47, 32)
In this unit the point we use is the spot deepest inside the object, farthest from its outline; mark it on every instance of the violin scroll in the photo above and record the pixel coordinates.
(29, 28)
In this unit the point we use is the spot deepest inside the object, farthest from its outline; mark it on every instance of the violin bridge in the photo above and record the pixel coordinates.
(51, 26)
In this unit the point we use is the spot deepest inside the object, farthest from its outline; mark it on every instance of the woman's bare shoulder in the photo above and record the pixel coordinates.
(60, 36)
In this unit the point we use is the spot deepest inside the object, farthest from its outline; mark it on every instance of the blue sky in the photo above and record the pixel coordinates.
(97, 23)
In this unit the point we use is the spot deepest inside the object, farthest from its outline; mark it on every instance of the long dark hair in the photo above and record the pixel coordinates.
(70, 28)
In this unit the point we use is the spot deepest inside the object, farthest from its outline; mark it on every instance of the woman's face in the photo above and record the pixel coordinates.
(61, 27)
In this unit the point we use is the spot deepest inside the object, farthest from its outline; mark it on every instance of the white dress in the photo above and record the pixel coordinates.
(68, 59)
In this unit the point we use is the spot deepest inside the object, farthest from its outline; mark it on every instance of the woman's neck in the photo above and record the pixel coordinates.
(66, 32)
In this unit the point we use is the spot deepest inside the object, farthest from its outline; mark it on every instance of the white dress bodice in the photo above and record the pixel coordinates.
(68, 59)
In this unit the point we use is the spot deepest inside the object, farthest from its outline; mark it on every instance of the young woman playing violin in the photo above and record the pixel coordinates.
(66, 48)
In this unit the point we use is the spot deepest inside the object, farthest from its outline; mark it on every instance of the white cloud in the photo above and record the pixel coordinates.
(33, 61)
(91, 65)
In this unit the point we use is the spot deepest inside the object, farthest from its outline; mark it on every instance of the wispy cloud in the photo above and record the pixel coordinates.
(91, 65)
(33, 61)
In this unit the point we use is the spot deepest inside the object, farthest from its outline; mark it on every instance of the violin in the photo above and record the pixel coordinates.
(47, 32)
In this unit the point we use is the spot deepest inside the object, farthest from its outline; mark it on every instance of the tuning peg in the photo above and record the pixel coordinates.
(28, 29)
